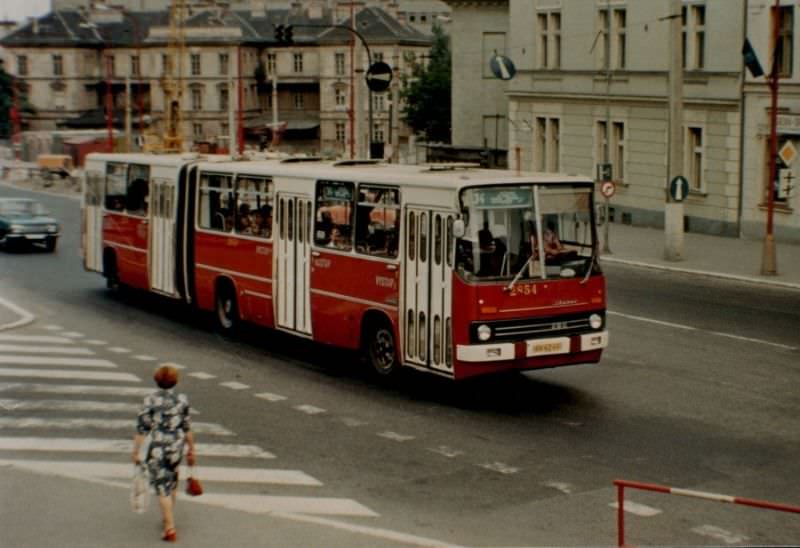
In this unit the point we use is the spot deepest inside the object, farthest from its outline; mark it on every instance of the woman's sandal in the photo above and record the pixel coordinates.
(170, 535)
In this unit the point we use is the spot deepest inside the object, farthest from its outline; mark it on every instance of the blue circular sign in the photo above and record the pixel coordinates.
(679, 188)
(502, 67)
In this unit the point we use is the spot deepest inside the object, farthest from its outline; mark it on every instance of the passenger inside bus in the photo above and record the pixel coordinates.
(554, 250)
(324, 227)
(338, 239)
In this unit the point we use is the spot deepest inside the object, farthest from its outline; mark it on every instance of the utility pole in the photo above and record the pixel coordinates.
(673, 209)
(768, 256)
(607, 136)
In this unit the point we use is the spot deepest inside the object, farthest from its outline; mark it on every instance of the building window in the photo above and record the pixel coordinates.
(197, 131)
(340, 95)
(22, 65)
(165, 63)
(197, 99)
(549, 40)
(694, 159)
(377, 132)
(224, 62)
(224, 129)
(58, 65)
(298, 62)
(612, 27)
(110, 68)
(135, 66)
(271, 63)
(493, 43)
(618, 160)
(377, 57)
(601, 152)
(224, 98)
(693, 38)
(339, 63)
(195, 64)
(299, 101)
(784, 46)
(340, 132)
(378, 102)
(547, 148)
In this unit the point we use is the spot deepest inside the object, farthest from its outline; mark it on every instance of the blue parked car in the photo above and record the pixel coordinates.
(24, 221)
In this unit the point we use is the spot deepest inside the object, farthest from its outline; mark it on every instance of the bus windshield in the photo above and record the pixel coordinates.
(503, 226)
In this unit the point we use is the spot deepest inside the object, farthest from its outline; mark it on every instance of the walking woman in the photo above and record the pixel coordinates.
(164, 419)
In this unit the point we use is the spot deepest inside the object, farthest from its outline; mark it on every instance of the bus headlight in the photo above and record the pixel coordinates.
(484, 332)
(596, 321)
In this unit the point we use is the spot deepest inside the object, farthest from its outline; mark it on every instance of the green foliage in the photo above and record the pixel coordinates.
(426, 93)
(6, 102)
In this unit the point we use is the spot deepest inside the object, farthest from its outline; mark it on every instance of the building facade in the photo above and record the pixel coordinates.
(75, 62)
(592, 87)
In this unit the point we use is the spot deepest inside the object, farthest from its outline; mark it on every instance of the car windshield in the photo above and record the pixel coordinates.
(22, 208)
(502, 228)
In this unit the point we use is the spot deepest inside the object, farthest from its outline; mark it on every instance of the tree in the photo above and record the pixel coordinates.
(7, 102)
(426, 93)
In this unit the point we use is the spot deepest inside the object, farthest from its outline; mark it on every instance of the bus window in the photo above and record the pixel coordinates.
(116, 186)
(254, 206)
(334, 217)
(377, 221)
(138, 189)
(216, 203)
(437, 240)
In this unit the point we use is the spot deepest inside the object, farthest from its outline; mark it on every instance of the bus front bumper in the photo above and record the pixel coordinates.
(532, 348)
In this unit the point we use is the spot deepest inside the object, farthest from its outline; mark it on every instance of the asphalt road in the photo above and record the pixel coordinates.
(697, 390)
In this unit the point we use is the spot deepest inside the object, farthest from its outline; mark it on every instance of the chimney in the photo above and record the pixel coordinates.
(315, 9)
(34, 25)
(258, 8)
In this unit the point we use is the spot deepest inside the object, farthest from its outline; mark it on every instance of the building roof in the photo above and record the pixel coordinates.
(130, 29)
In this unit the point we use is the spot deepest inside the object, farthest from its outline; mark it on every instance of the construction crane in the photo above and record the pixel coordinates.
(172, 139)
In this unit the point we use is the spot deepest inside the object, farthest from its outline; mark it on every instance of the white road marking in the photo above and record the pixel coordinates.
(67, 374)
(310, 409)
(25, 317)
(207, 428)
(353, 423)
(691, 328)
(268, 504)
(69, 406)
(95, 445)
(177, 365)
(73, 334)
(270, 396)
(394, 436)
(81, 389)
(10, 337)
(202, 376)
(638, 509)
(96, 342)
(565, 488)
(446, 451)
(118, 350)
(500, 467)
(71, 350)
(145, 358)
(718, 533)
(227, 474)
(233, 385)
(46, 360)
(52, 327)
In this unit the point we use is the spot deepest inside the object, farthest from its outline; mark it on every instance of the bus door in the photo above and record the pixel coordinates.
(292, 263)
(427, 282)
(161, 245)
(93, 198)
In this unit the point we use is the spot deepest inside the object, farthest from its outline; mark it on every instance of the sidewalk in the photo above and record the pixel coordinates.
(717, 256)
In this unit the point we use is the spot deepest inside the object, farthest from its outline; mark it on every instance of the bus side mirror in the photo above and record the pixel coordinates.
(458, 228)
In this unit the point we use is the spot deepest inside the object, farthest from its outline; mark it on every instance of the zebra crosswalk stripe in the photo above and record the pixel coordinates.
(64, 362)
(67, 374)
(69, 406)
(27, 349)
(98, 445)
(76, 389)
(207, 428)
(48, 339)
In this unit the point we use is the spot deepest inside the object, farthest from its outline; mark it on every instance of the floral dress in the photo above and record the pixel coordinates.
(165, 416)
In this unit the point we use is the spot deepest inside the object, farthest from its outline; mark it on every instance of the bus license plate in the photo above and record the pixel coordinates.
(545, 347)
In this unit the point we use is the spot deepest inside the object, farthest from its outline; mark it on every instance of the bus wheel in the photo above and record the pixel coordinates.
(382, 350)
(110, 271)
(227, 313)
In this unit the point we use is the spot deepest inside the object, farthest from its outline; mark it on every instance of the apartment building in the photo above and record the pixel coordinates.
(592, 87)
(73, 61)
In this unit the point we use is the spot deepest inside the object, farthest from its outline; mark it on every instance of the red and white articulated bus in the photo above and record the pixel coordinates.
(449, 269)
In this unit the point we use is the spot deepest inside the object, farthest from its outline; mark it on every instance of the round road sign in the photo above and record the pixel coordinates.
(379, 76)
(607, 189)
(502, 67)
(679, 188)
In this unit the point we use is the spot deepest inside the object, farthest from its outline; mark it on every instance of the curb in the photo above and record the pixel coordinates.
(69, 195)
(706, 273)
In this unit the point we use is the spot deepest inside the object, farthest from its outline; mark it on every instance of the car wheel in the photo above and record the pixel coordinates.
(50, 245)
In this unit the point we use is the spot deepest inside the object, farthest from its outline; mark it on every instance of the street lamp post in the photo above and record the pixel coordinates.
(768, 258)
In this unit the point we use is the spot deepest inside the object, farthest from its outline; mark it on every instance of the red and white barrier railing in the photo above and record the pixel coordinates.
(622, 484)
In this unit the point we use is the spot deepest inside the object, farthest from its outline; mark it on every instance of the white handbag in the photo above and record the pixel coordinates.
(140, 492)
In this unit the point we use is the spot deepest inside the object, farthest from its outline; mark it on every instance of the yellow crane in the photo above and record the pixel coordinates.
(172, 139)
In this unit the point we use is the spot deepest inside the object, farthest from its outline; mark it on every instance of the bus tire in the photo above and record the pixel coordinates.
(226, 308)
(380, 348)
